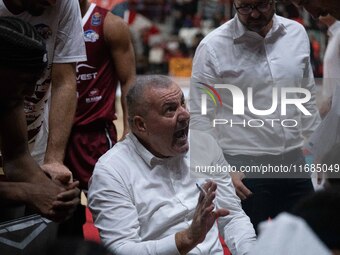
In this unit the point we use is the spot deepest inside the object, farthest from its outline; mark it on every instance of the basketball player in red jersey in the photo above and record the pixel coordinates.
(110, 60)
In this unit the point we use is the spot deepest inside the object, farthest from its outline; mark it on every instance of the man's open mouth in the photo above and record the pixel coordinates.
(182, 133)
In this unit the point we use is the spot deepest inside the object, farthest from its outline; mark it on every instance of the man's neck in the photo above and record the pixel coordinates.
(266, 29)
(14, 6)
(148, 147)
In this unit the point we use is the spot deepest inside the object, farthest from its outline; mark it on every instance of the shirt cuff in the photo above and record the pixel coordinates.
(167, 246)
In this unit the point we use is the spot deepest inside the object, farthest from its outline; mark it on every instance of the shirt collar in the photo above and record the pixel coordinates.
(150, 159)
(334, 28)
(241, 31)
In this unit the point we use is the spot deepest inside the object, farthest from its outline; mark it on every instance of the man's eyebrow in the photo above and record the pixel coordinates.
(168, 103)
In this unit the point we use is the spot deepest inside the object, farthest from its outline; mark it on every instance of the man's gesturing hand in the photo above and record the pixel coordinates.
(203, 220)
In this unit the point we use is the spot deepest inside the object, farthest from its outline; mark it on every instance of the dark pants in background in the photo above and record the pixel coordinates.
(273, 193)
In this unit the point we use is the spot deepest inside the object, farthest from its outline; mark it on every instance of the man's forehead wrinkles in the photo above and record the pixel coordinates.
(170, 96)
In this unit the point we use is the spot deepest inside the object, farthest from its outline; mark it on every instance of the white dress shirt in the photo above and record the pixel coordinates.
(331, 68)
(328, 132)
(139, 202)
(288, 234)
(231, 54)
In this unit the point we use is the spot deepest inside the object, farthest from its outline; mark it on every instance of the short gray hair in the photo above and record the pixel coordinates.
(135, 98)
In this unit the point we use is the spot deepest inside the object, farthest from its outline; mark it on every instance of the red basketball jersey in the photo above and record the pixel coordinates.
(96, 78)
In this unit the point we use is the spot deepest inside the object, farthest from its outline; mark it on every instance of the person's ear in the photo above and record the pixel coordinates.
(139, 123)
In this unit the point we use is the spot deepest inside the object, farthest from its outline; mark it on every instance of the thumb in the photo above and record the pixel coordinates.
(221, 213)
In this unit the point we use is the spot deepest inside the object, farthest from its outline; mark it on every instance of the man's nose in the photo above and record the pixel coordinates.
(184, 114)
(255, 13)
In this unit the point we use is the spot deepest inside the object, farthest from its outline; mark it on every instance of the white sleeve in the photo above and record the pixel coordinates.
(309, 122)
(116, 217)
(203, 71)
(331, 78)
(70, 44)
(238, 231)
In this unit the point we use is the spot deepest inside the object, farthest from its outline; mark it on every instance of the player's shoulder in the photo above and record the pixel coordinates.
(114, 20)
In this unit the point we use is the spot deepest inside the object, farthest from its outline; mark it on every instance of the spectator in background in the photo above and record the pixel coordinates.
(196, 41)
(183, 12)
(50, 110)
(110, 61)
(23, 60)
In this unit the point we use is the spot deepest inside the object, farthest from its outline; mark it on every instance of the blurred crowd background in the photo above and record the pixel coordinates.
(166, 32)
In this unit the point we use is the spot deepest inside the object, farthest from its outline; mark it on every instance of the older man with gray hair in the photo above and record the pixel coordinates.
(143, 196)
